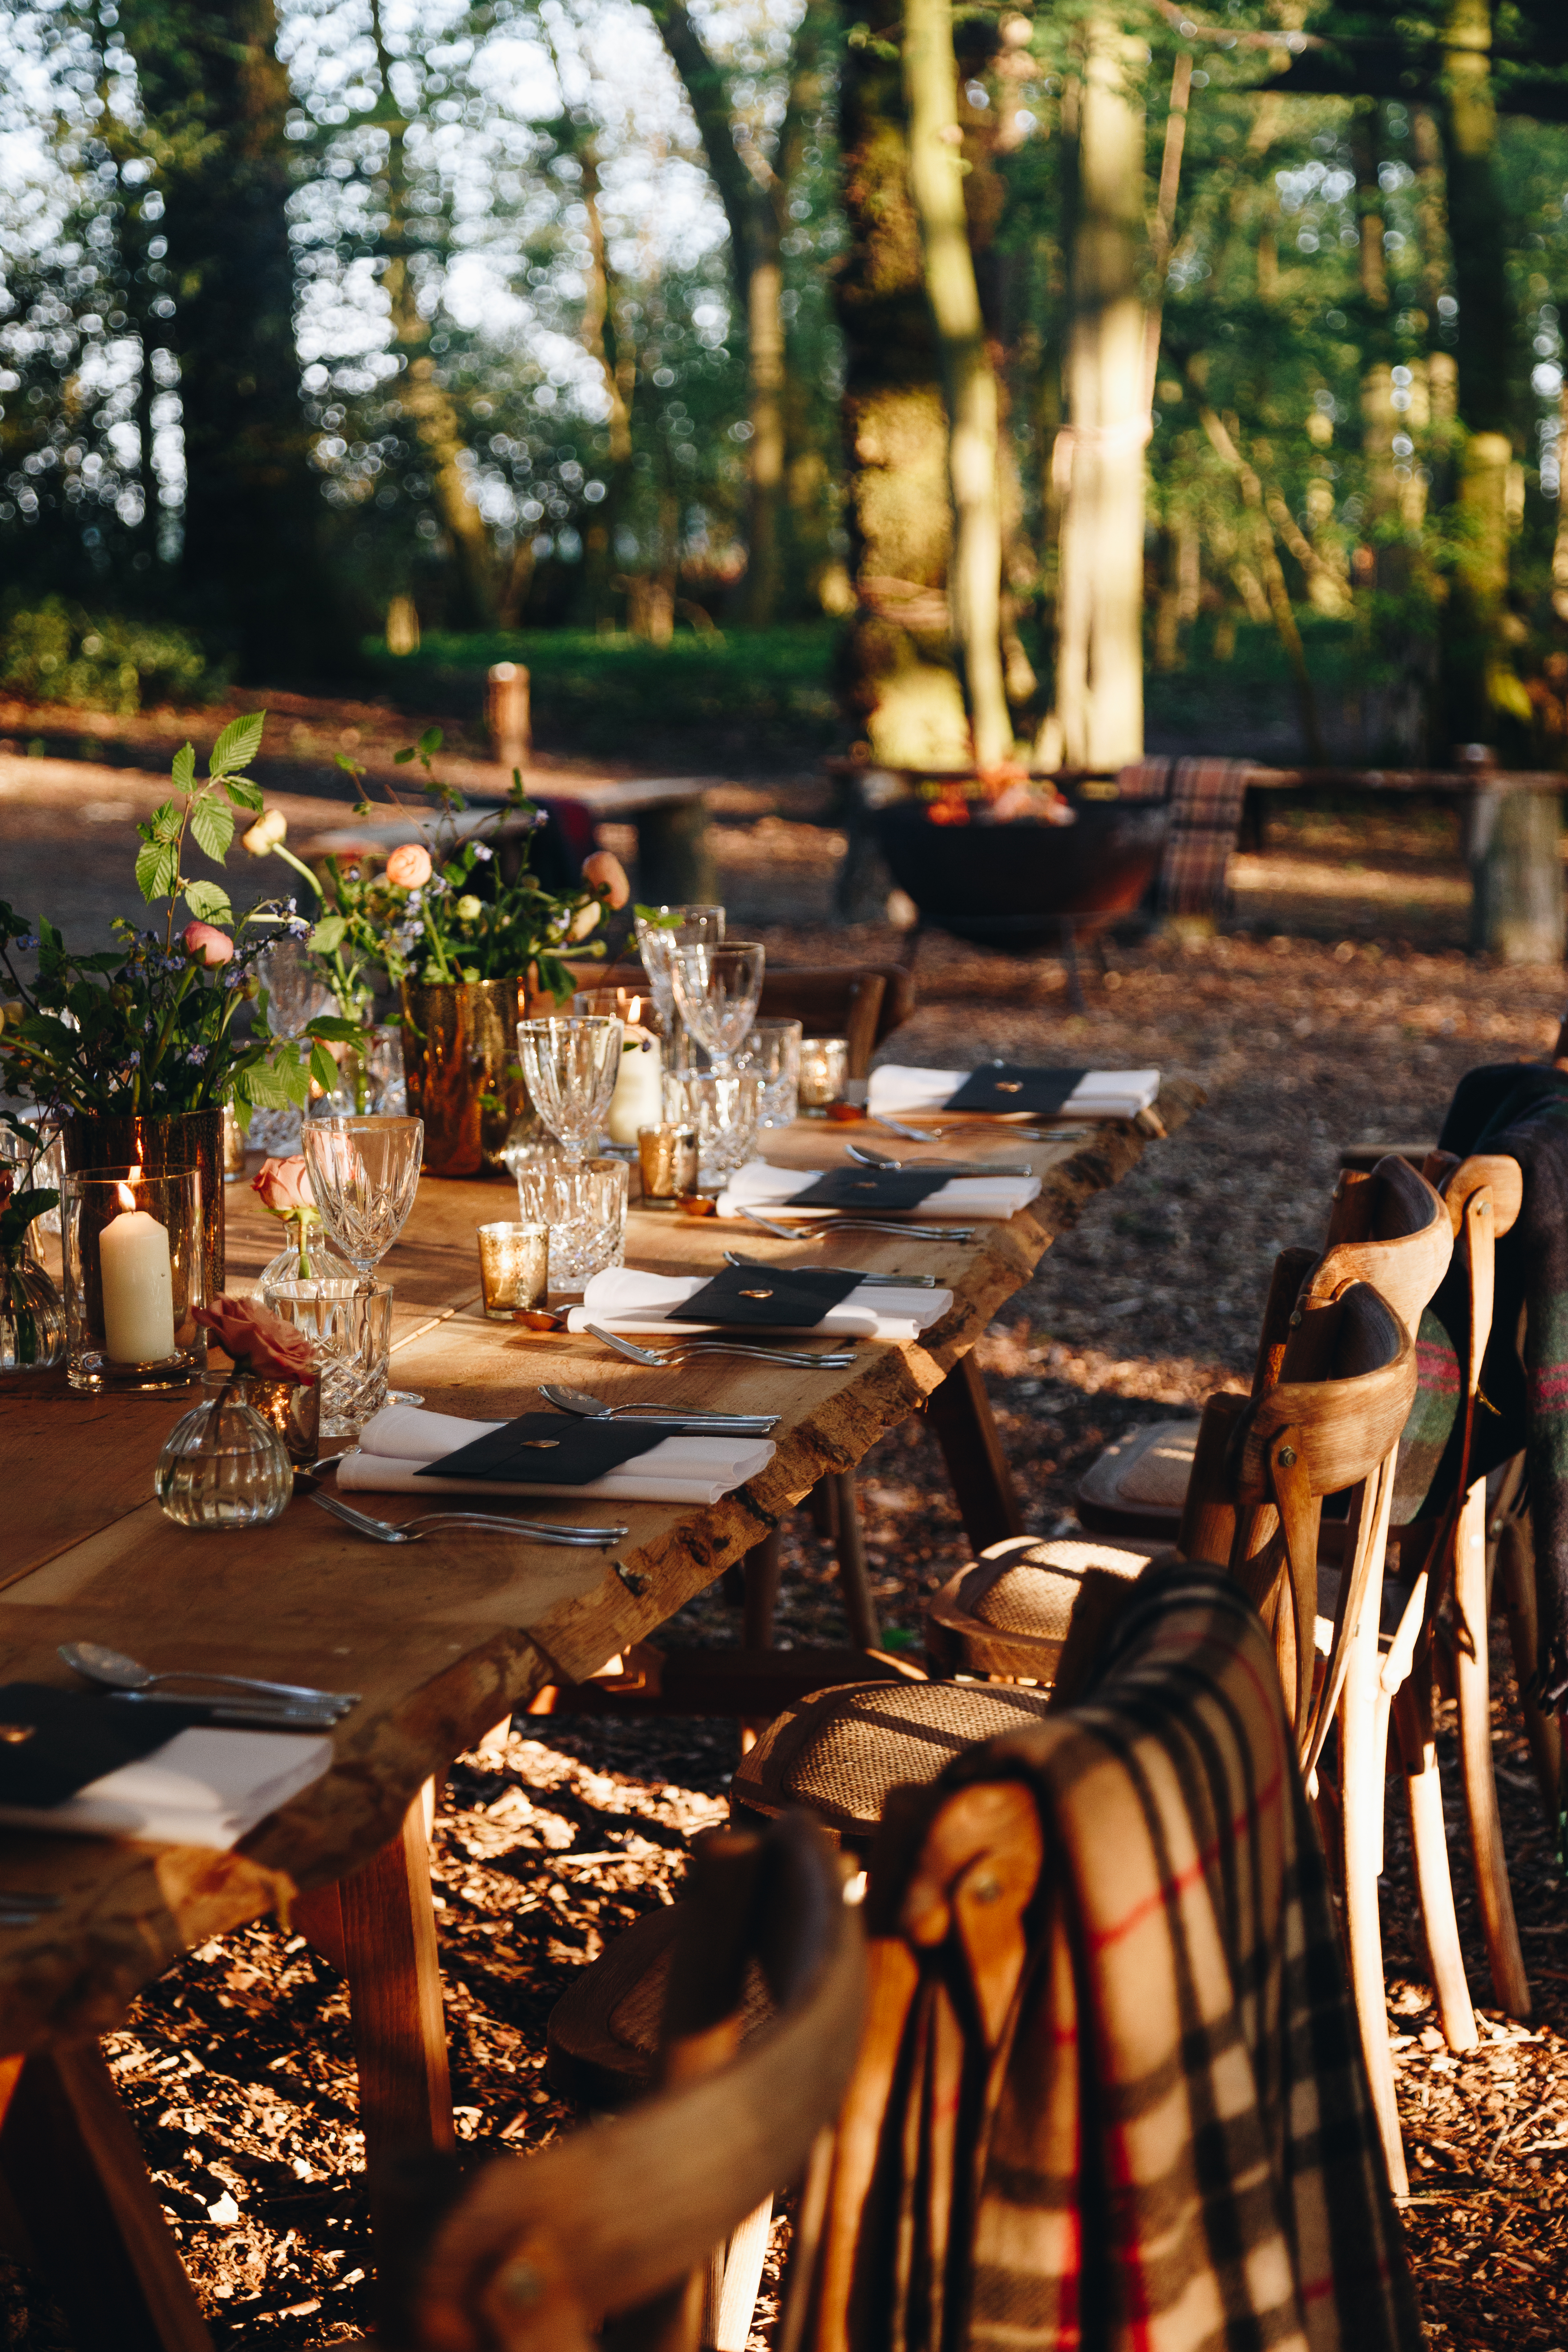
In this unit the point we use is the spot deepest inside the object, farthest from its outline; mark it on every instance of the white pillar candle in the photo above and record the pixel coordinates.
(639, 1098)
(138, 1286)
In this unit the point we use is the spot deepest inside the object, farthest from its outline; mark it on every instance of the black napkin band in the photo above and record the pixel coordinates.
(547, 1449)
(870, 1188)
(54, 1742)
(795, 1298)
(1011, 1085)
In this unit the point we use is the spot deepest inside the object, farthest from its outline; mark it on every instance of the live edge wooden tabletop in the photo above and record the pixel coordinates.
(442, 1637)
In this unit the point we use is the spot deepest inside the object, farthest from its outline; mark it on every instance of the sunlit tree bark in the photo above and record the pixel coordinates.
(1098, 715)
(975, 570)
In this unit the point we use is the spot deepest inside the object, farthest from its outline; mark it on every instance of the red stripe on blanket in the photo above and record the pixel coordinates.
(1549, 1389)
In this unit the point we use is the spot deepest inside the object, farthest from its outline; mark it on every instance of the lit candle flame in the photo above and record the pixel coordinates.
(127, 1197)
(634, 1011)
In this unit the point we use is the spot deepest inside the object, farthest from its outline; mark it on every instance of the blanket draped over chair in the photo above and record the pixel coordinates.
(1172, 2144)
(1521, 1110)
(1205, 799)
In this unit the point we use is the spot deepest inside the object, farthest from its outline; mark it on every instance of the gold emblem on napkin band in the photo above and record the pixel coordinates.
(1009, 1086)
(541, 1444)
(756, 1294)
(13, 1733)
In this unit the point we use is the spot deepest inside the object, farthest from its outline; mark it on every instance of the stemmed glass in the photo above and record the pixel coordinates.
(364, 1172)
(295, 995)
(657, 939)
(717, 989)
(570, 1068)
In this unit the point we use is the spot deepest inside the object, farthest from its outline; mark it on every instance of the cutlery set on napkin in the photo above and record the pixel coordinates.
(1003, 1089)
(406, 1450)
(776, 1298)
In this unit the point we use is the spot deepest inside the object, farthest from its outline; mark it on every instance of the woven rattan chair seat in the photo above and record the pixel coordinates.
(842, 1751)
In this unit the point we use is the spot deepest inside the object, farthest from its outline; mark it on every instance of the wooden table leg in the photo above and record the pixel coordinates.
(854, 1579)
(762, 1567)
(960, 1413)
(394, 1994)
(75, 2171)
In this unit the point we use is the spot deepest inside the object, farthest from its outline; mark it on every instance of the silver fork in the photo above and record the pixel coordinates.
(864, 1159)
(414, 1531)
(656, 1359)
(868, 1281)
(812, 1227)
(983, 1125)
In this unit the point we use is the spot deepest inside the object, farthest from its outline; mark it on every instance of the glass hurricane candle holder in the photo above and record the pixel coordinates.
(134, 1272)
(224, 1464)
(824, 1071)
(514, 1269)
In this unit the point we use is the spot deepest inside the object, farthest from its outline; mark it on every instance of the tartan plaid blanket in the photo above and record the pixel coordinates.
(1172, 2148)
(1206, 801)
(1520, 1109)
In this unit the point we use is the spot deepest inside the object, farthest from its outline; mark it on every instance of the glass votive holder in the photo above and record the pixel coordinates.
(724, 1109)
(131, 1247)
(824, 1071)
(350, 1331)
(772, 1051)
(514, 1269)
(666, 1154)
(224, 1464)
(583, 1203)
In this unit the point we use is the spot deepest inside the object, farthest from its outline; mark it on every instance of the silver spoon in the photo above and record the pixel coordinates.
(871, 1281)
(879, 1160)
(117, 1672)
(986, 1125)
(588, 1407)
(813, 1226)
(414, 1530)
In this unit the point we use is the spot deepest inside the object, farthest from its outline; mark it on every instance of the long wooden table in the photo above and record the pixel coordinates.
(443, 1638)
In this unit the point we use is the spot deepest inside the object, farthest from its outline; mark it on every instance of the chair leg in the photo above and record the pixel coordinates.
(1504, 1955)
(1429, 1847)
(1516, 1576)
(854, 1582)
(72, 2162)
(1361, 1769)
(738, 2279)
(960, 1411)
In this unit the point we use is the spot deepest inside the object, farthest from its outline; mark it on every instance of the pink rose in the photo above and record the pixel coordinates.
(212, 946)
(408, 867)
(283, 1186)
(604, 871)
(258, 1340)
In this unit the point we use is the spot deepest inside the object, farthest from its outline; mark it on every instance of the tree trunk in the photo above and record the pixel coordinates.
(607, 341)
(974, 570)
(896, 670)
(215, 102)
(1099, 659)
(765, 450)
(1475, 669)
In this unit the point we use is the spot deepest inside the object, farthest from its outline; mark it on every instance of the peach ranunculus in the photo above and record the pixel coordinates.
(283, 1187)
(408, 867)
(604, 871)
(258, 1340)
(210, 945)
(266, 835)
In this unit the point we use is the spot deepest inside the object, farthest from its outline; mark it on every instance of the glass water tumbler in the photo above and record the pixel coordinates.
(223, 1465)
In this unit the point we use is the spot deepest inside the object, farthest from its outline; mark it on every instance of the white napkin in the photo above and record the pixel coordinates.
(205, 1786)
(1101, 1094)
(760, 1185)
(626, 1299)
(395, 1442)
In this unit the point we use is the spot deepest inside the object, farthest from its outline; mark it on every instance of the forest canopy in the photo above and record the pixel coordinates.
(1022, 352)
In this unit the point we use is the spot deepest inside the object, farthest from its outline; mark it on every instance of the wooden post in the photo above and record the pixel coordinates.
(507, 714)
(675, 862)
(1516, 875)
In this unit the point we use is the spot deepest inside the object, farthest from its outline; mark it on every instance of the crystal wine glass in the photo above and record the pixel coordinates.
(657, 939)
(364, 1172)
(717, 989)
(570, 1068)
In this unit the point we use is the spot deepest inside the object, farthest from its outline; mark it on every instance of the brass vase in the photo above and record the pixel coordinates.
(459, 1057)
(164, 1143)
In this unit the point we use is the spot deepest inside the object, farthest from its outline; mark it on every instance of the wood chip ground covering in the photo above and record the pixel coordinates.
(237, 2065)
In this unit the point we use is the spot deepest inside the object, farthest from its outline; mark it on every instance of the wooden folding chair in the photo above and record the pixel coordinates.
(629, 2220)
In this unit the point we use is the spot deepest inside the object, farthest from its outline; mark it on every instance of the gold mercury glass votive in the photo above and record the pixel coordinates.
(668, 1156)
(824, 1070)
(514, 1266)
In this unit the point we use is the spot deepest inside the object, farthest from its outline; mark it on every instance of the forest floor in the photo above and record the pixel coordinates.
(1338, 1008)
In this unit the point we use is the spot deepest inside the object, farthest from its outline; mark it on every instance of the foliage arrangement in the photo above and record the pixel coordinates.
(150, 1026)
(438, 909)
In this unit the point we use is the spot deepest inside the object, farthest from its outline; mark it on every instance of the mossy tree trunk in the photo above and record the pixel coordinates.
(216, 103)
(969, 380)
(1098, 721)
(896, 672)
